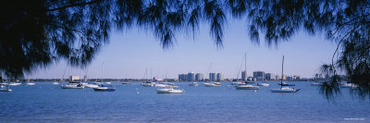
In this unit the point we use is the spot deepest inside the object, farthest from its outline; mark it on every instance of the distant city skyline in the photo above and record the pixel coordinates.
(130, 53)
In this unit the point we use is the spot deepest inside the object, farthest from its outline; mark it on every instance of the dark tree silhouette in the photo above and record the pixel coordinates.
(37, 33)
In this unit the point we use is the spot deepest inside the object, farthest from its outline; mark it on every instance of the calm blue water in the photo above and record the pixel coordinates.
(45, 102)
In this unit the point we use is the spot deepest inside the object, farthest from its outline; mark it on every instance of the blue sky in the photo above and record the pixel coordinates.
(130, 52)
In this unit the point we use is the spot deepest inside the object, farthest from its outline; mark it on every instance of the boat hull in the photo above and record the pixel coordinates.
(101, 90)
(287, 84)
(169, 91)
(247, 88)
(6, 90)
(72, 87)
(284, 91)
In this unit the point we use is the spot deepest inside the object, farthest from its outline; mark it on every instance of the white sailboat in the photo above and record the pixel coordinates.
(246, 85)
(283, 89)
(147, 83)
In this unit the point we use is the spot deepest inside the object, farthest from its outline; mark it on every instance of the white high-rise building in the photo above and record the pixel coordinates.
(220, 77)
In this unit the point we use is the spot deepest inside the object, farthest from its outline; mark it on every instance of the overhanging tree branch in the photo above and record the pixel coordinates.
(74, 5)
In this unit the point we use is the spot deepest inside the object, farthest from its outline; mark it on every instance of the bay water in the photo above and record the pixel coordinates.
(46, 102)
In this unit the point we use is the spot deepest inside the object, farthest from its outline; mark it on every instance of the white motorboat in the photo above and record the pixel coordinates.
(55, 83)
(92, 85)
(105, 88)
(3, 83)
(247, 87)
(170, 91)
(168, 83)
(285, 90)
(263, 84)
(73, 85)
(349, 85)
(211, 84)
(217, 83)
(15, 83)
(238, 83)
(148, 84)
(162, 85)
(193, 84)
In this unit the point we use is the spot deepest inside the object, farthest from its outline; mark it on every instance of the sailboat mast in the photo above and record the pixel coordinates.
(245, 62)
(282, 71)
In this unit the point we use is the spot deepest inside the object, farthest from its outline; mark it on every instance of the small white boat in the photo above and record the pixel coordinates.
(30, 83)
(211, 84)
(91, 85)
(173, 86)
(148, 84)
(15, 83)
(162, 85)
(55, 83)
(168, 83)
(108, 83)
(238, 83)
(170, 91)
(247, 87)
(5, 88)
(193, 84)
(3, 83)
(285, 90)
(263, 84)
(105, 88)
(73, 85)
(217, 83)
(349, 85)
